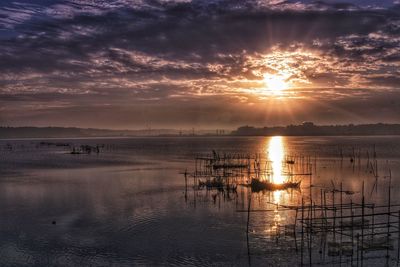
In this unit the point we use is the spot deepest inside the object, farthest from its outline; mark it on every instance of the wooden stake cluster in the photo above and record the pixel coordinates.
(228, 170)
(340, 227)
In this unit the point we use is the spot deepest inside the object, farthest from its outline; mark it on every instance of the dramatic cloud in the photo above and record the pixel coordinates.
(198, 63)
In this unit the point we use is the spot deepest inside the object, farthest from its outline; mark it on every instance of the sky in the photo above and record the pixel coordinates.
(131, 64)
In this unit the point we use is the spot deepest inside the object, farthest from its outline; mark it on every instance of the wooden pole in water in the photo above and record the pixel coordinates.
(373, 223)
(341, 158)
(376, 182)
(248, 214)
(315, 164)
(247, 228)
(388, 220)
(325, 209)
(398, 238)
(322, 210)
(310, 233)
(341, 220)
(352, 232)
(376, 163)
(186, 185)
(294, 229)
(362, 226)
(311, 200)
(334, 215)
(358, 244)
(302, 231)
(195, 166)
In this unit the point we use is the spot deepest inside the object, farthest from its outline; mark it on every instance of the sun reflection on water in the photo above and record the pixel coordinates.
(276, 153)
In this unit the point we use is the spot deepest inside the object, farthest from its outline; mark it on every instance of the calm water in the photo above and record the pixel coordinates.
(126, 205)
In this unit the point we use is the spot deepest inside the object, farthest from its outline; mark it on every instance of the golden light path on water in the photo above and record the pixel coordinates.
(276, 155)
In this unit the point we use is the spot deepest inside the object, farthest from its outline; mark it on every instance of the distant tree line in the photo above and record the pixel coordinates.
(310, 129)
(306, 128)
(57, 132)
(69, 132)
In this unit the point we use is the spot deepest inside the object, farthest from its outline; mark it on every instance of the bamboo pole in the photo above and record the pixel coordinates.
(247, 228)
(398, 239)
(302, 231)
(362, 226)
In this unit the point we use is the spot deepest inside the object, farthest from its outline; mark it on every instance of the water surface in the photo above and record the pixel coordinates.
(126, 205)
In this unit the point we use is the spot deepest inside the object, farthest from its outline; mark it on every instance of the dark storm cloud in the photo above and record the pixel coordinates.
(181, 30)
(59, 58)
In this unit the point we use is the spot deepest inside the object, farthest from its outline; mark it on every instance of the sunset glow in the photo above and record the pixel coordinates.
(275, 83)
(194, 62)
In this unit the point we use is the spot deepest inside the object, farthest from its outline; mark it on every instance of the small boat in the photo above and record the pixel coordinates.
(257, 185)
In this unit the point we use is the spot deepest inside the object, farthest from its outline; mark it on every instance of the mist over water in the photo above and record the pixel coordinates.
(126, 205)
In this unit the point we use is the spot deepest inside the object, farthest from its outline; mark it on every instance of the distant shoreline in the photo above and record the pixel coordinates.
(305, 129)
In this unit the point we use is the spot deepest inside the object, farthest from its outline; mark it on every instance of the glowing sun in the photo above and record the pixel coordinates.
(275, 83)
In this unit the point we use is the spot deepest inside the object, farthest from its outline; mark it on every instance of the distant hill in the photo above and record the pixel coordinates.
(310, 129)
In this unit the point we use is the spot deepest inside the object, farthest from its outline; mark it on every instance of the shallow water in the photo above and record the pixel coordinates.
(127, 206)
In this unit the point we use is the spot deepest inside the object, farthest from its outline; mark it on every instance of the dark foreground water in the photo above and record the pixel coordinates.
(126, 205)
